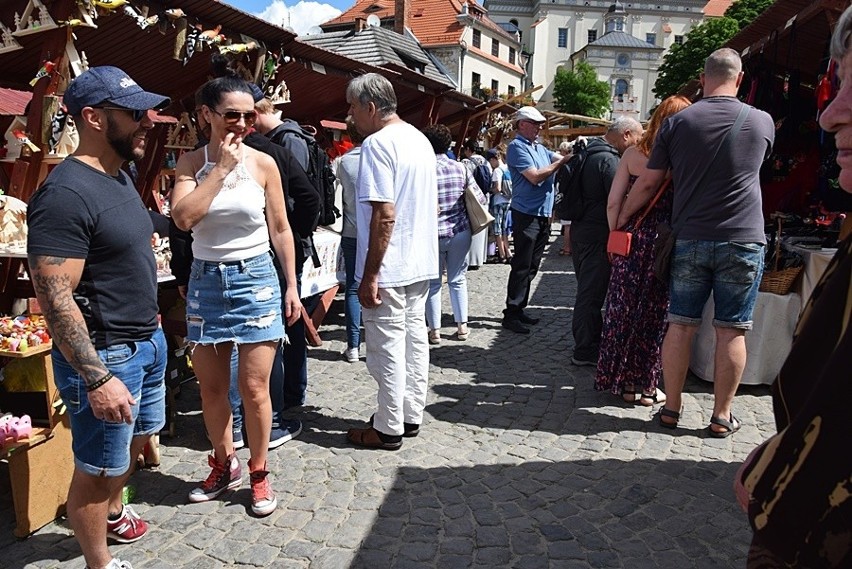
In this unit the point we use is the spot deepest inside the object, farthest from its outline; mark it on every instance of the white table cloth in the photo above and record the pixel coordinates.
(767, 343)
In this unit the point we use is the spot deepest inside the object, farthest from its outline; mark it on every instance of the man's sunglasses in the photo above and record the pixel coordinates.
(234, 116)
(135, 114)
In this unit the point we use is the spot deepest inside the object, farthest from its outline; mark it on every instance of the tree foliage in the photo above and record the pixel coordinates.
(580, 92)
(684, 62)
(745, 11)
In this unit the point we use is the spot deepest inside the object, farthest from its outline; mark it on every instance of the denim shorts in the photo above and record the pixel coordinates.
(730, 270)
(236, 301)
(102, 448)
(501, 219)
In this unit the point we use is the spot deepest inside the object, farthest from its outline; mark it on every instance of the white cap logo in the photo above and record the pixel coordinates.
(127, 82)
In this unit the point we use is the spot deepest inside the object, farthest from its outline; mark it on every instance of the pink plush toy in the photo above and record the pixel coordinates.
(13, 429)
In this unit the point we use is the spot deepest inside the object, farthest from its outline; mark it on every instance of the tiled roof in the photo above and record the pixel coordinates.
(13, 102)
(380, 47)
(621, 39)
(717, 8)
(433, 22)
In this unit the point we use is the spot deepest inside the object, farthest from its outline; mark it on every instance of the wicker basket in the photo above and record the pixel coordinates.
(779, 282)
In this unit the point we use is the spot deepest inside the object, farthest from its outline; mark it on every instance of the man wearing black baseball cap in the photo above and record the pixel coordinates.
(89, 237)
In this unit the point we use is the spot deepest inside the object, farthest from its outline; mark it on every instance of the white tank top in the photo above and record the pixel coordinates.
(235, 225)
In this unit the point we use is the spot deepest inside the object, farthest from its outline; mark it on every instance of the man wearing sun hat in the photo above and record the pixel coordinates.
(89, 232)
(532, 167)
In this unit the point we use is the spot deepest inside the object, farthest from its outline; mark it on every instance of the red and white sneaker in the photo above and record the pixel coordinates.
(263, 500)
(127, 528)
(223, 476)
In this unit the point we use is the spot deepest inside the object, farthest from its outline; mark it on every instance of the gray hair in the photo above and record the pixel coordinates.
(373, 88)
(625, 124)
(841, 35)
(723, 64)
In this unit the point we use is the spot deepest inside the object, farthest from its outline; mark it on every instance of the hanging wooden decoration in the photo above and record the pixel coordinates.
(77, 61)
(47, 68)
(140, 20)
(279, 95)
(35, 19)
(7, 40)
(183, 134)
(238, 47)
(13, 142)
(191, 45)
(180, 39)
(108, 5)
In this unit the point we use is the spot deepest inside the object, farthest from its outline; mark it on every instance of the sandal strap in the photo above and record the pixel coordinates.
(730, 425)
(669, 413)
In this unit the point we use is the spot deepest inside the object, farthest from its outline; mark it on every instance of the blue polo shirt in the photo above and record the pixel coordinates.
(521, 155)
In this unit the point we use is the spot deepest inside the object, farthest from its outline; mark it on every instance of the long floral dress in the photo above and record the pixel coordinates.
(637, 302)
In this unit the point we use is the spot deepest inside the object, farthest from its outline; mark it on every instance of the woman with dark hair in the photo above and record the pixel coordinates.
(454, 235)
(634, 324)
(231, 197)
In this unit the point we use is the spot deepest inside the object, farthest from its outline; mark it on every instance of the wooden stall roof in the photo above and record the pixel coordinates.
(13, 102)
(791, 34)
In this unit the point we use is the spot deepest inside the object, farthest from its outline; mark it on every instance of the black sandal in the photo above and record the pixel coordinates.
(654, 399)
(663, 412)
(630, 395)
(731, 427)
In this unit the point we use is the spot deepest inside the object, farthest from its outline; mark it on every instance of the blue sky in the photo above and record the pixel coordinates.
(301, 15)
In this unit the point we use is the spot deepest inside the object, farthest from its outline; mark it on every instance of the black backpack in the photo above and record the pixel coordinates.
(319, 168)
(482, 177)
(569, 203)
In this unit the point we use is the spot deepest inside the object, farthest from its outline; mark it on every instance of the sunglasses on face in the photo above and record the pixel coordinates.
(234, 116)
(135, 114)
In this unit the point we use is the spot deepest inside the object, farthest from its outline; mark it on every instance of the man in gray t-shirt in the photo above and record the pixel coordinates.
(719, 224)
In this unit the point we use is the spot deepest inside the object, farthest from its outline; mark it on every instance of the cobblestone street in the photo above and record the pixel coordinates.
(519, 463)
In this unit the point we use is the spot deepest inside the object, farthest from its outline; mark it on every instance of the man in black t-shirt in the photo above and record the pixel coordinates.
(717, 214)
(94, 274)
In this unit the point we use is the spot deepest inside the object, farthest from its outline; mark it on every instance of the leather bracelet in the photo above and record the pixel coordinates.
(92, 386)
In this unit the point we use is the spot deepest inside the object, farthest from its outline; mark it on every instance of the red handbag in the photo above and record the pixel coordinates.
(619, 241)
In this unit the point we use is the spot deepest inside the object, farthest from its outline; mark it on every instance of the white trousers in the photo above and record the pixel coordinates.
(398, 355)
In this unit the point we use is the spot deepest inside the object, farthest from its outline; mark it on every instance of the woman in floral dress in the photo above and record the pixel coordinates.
(634, 325)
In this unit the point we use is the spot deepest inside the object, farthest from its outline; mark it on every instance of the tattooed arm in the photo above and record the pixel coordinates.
(54, 280)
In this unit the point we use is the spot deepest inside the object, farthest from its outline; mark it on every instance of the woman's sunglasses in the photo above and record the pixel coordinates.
(234, 116)
(135, 114)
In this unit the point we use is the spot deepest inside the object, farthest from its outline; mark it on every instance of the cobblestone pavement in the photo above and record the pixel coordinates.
(519, 463)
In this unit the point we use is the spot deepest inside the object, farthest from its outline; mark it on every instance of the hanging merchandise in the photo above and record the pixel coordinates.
(180, 39)
(47, 68)
(191, 44)
(35, 18)
(108, 4)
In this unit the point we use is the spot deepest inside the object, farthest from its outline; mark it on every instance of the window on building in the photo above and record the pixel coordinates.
(495, 88)
(475, 83)
(651, 38)
(477, 38)
(621, 88)
(512, 55)
(495, 48)
(593, 35)
(562, 37)
(678, 40)
(511, 90)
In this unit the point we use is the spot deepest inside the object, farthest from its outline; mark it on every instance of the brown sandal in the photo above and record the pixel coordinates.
(369, 438)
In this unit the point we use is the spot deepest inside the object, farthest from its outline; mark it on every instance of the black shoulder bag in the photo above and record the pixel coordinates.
(667, 234)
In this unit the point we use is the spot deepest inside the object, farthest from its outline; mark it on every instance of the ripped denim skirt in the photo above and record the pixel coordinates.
(234, 301)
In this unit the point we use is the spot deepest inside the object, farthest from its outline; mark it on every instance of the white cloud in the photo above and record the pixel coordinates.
(301, 16)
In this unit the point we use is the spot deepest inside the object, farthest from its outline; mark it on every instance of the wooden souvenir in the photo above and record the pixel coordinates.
(35, 19)
(13, 143)
(182, 135)
(7, 40)
(280, 94)
(13, 222)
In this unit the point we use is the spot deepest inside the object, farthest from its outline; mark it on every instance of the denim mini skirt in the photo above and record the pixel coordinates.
(235, 301)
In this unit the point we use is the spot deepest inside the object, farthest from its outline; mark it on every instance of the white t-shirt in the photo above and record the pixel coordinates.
(398, 166)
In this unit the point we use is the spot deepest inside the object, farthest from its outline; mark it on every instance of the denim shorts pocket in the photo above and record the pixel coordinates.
(196, 270)
(742, 264)
(262, 270)
(118, 354)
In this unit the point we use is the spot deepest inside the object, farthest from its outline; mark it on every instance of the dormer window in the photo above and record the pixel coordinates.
(373, 8)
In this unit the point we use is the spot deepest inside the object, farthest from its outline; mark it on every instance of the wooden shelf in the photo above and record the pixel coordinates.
(38, 436)
(34, 351)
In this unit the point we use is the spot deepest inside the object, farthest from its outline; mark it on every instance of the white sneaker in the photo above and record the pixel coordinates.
(119, 564)
(351, 355)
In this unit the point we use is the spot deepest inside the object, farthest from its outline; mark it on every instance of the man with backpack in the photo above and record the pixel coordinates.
(586, 190)
(301, 145)
(532, 167)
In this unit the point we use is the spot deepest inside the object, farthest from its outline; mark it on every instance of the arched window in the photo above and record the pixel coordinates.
(621, 87)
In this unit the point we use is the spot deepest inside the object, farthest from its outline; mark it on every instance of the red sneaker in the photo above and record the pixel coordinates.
(128, 528)
(263, 500)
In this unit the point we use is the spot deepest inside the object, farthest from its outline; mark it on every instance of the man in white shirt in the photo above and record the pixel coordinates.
(397, 224)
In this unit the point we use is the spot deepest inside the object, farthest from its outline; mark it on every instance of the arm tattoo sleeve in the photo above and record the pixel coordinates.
(66, 324)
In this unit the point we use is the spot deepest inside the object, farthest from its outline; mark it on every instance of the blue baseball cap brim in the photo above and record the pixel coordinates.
(107, 84)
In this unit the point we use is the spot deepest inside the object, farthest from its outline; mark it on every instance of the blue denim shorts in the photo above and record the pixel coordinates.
(101, 448)
(728, 269)
(238, 301)
(501, 218)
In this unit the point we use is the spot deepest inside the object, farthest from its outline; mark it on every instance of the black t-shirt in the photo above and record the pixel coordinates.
(82, 213)
(727, 206)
